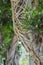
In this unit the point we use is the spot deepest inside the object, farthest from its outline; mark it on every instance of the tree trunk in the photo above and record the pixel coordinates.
(28, 39)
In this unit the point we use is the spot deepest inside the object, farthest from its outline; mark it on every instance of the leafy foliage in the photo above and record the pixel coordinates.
(33, 18)
(6, 23)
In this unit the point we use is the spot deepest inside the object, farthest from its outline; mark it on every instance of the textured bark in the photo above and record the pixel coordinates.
(32, 42)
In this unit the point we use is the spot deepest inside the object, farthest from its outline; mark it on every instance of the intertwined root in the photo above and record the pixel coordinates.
(18, 6)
